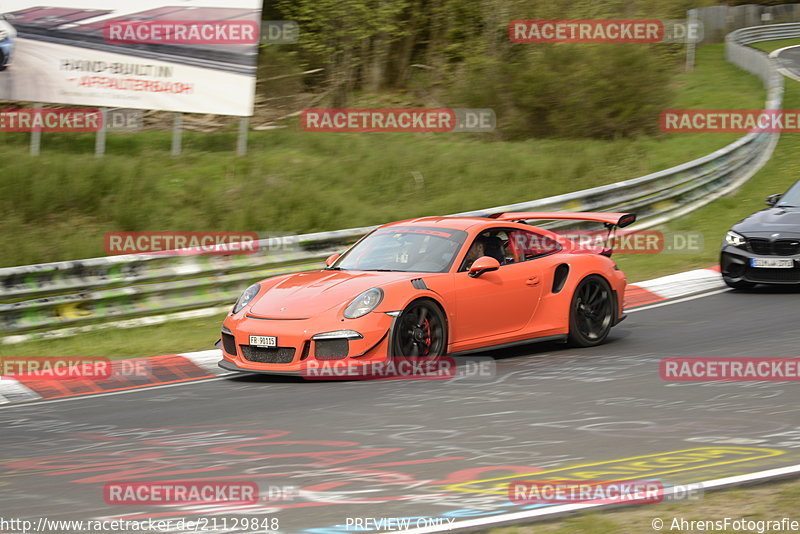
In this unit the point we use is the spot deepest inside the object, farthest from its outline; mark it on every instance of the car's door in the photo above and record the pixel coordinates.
(501, 302)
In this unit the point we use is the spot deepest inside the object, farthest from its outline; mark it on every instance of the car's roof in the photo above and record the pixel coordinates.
(452, 223)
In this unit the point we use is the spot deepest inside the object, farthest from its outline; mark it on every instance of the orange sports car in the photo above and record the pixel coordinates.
(430, 287)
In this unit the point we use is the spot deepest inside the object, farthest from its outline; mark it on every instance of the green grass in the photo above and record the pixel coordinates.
(768, 502)
(699, 89)
(769, 46)
(59, 205)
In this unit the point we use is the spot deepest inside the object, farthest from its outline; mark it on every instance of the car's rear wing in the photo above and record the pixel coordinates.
(619, 220)
(612, 221)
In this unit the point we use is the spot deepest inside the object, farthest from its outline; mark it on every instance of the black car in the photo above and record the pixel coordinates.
(765, 247)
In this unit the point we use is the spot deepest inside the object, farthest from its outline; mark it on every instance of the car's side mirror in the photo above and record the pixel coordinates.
(331, 259)
(773, 199)
(484, 264)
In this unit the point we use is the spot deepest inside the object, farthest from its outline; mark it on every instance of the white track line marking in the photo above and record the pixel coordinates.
(109, 393)
(677, 301)
(566, 508)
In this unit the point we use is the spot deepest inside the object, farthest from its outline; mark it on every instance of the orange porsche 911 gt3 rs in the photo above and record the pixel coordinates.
(431, 287)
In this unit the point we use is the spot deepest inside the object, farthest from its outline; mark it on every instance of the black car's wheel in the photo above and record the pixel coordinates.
(739, 284)
(592, 312)
(421, 331)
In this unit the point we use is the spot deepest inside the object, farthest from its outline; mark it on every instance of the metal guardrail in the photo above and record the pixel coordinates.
(52, 296)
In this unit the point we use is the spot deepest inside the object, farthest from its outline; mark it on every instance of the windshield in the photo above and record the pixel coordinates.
(404, 249)
(792, 197)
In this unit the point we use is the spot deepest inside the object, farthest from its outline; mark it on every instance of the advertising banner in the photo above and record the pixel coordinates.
(193, 56)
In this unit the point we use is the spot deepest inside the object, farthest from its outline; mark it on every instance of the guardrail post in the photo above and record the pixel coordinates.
(36, 136)
(177, 124)
(241, 141)
(690, 42)
(100, 136)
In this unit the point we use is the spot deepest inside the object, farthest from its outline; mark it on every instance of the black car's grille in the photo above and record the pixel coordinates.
(779, 247)
(773, 275)
(229, 344)
(760, 246)
(786, 247)
(331, 349)
(267, 355)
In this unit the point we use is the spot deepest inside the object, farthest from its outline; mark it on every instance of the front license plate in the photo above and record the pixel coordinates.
(772, 263)
(264, 341)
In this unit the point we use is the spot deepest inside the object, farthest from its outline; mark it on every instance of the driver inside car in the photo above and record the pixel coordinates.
(475, 251)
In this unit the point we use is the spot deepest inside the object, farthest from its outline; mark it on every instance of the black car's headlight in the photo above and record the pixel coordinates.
(364, 303)
(734, 239)
(248, 295)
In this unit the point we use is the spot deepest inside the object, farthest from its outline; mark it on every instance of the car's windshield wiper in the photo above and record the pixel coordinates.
(787, 206)
(333, 268)
(386, 270)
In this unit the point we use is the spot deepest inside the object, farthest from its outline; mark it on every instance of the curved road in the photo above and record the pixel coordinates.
(789, 59)
(414, 448)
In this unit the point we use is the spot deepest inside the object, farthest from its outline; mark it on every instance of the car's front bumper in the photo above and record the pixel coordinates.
(736, 267)
(297, 350)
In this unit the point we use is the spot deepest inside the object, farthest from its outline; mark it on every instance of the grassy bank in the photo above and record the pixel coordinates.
(59, 205)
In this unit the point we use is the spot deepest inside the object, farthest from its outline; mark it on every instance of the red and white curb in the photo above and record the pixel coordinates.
(673, 286)
(159, 371)
(190, 366)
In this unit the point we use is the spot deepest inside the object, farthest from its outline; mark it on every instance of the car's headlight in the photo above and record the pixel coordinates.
(3, 35)
(364, 303)
(248, 295)
(734, 239)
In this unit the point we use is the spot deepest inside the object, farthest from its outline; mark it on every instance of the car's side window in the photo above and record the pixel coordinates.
(493, 243)
(526, 245)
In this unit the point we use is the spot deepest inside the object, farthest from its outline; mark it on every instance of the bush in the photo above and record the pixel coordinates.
(569, 90)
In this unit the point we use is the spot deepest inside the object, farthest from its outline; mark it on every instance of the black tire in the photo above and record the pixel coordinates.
(591, 313)
(420, 331)
(740, 284)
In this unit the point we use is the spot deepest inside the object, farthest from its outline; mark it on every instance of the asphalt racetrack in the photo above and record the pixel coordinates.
(423, 449)
(789, 59)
